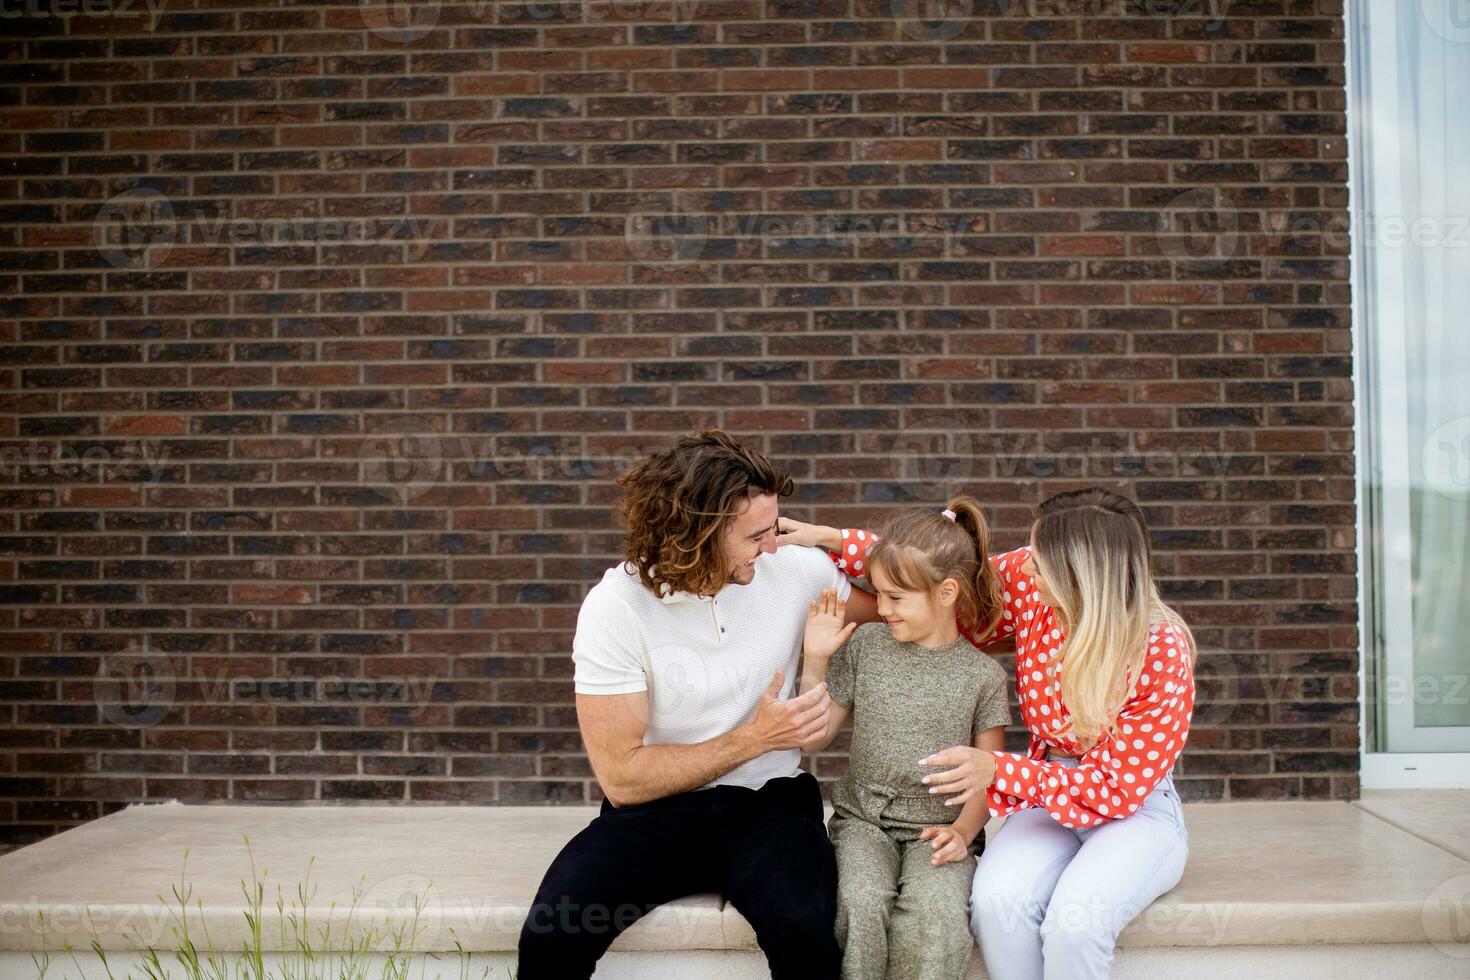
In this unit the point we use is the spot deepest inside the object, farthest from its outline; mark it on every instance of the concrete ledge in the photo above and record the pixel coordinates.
(1270, 876)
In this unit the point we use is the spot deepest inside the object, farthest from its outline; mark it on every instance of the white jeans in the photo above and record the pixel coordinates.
(1049, 901)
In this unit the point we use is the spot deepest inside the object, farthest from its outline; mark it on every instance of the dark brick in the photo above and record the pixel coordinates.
(860, 237)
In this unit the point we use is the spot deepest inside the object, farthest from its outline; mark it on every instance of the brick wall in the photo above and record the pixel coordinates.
(327, 327)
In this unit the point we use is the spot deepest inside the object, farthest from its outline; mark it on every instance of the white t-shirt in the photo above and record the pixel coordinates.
(705, 661)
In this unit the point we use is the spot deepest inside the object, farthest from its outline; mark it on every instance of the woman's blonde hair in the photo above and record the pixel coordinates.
(1092, 549)
(919, 548)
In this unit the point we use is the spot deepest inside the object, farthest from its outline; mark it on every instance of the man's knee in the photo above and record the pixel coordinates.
(787, 911)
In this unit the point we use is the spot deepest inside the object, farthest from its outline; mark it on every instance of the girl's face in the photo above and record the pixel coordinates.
(1028, 567)
(911, 615)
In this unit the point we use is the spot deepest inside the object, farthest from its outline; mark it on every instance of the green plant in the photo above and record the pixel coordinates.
(302, 956)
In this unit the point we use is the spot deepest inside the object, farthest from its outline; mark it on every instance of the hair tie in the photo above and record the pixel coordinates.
(948, 513)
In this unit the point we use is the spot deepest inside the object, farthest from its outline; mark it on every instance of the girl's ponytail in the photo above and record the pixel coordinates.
(920, 547)
(986, 584)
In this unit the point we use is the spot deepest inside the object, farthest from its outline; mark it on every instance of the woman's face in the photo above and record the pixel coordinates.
(1043, 594)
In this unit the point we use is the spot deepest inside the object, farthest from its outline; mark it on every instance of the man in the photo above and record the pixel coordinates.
(685, 655)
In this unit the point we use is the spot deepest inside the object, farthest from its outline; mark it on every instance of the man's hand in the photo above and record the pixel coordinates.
(825, 632)
(812, 535)
(949, 844)
(789, 723)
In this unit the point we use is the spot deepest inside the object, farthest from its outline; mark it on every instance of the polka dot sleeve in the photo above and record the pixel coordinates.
(852, 555)
(1112, 778)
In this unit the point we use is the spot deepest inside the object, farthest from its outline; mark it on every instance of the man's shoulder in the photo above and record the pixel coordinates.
(799, 560)
(618, 583)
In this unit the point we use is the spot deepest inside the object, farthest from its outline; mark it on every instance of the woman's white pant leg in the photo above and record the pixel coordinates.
(1121, 867)
(1012, 887)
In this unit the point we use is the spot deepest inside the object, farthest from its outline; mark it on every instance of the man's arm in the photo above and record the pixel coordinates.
(862, 607)
(630, 772)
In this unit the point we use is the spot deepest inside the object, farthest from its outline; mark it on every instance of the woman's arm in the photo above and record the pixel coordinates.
(1112, 778)
(951, 842)
(861, 606)
(974, 813)
(848, 547)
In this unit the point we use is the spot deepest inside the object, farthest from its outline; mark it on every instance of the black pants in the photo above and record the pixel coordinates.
(766, 851)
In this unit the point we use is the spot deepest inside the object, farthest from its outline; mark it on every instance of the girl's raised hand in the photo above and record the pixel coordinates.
(825, 633)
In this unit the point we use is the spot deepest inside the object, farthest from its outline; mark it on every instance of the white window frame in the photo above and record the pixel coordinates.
(1385, 633)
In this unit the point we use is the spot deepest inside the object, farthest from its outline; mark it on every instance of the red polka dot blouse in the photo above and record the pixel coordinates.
(1110, 779)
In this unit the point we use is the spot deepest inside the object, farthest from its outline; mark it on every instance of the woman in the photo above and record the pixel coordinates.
(1104, 672)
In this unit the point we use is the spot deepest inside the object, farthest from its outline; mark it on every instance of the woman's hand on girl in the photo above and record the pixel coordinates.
(825, 633)
(972, 772)
(949, 844)
(811, 535)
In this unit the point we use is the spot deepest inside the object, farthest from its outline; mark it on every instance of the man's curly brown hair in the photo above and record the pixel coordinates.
(676, 505)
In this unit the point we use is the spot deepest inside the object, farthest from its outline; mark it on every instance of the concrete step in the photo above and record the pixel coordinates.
(1306, 886)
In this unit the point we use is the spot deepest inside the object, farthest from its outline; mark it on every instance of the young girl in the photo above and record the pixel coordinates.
(1104, 669)
(912, 684)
